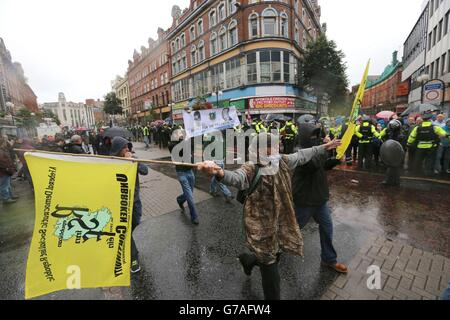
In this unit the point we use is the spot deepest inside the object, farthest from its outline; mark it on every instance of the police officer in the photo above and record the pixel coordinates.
(290, 132)
(393, 152)
(365, 132)
(425, 138)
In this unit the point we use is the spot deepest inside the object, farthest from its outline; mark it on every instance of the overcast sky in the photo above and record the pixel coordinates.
(79, 46)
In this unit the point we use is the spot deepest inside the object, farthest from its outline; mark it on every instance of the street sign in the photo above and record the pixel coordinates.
(433, 92)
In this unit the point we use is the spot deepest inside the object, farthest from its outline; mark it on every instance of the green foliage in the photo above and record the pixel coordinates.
(113, 105)
(48, 114)
(27, 119)
(324, 70)
(2, 114)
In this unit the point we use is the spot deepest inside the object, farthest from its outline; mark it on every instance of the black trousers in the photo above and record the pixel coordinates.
(288, 146)
(365, 154)
(424, 161)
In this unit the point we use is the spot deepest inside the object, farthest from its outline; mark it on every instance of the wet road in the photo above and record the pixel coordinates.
(180, 261)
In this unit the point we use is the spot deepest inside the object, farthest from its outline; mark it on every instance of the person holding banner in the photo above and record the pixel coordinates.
(119, 148)
(269, 216)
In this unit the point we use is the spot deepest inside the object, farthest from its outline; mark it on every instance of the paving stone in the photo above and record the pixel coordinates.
(330, 295)
(409, 294)
(395, 293)
(424, 265)
(419, 283)
(423, 293)
(393, 274)
(437, 265)
(340, 293)
(432, 285)
(384, 295)
(416, 273)
(388, 264)
(406, 283)
(417, 252)
(392, 282)
(341, 281)
(406, 251)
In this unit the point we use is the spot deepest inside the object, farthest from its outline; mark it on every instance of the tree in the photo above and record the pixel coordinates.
(27, 119)
(48, 114)
(324, 71)
(113, 105)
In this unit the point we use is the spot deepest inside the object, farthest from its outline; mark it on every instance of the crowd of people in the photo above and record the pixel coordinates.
(277, 204)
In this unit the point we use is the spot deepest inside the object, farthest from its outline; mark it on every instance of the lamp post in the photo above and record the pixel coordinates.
(217, 94)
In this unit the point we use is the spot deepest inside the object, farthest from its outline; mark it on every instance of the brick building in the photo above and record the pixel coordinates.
(13, 84)
(387, 92)
(244, 54)
(148, 79)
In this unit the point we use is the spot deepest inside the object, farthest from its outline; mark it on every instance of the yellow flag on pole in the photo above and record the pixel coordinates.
(82, 233)
(347, 139)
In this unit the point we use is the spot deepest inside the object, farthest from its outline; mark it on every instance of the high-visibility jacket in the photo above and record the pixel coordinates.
(146, 131)
(426, 136)
(366, 132)
(289, 130)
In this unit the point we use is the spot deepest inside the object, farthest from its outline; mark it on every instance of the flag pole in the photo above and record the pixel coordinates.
(111, 158)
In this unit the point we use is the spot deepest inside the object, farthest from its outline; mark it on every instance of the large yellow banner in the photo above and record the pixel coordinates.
(82, 233)
(347, 139)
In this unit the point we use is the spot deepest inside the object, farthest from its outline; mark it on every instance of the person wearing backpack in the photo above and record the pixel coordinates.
(269, 216)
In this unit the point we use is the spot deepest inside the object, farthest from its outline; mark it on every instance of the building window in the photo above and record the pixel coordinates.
(183, 40)
(192, 33)
(232, 6)
(252, 76)
(213, 46)
(193, 55)
(212, 18)
(269, 22)
(223, 39)
(284, 25)
(217, 77)
(200, 27)
(253, 25)
(222, 12)
(232, 30)
(201, 51)
(233, 73)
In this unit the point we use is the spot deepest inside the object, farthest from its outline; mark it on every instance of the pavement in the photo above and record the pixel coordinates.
(403, 231)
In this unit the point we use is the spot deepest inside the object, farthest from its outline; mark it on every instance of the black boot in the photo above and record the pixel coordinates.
(270, 281)
(248, 262)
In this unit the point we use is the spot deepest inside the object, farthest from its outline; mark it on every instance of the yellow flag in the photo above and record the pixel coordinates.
(82, 233)
(347, 139)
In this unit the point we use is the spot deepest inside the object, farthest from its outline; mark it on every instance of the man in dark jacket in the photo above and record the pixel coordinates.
(76, 145)
(119, 148)
(7, 170)
(311, 194)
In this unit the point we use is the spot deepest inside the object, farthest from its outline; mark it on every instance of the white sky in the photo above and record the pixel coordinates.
(79, 46)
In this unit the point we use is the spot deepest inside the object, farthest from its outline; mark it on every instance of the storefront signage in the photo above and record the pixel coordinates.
(272, 103)
(433, 92)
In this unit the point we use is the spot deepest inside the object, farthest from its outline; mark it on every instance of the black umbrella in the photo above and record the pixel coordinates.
(117, 132)
(420, 108)
(277, 117)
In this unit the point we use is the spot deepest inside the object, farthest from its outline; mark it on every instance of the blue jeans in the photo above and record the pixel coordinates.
(322, 216)
(5, 187)
(446, 295)
(187, 181)
(214, 183)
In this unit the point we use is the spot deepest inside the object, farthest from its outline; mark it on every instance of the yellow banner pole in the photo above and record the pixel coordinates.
(347, 139)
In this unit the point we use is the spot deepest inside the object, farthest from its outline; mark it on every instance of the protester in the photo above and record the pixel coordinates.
(75, 146)
(185, 174)
(119, 148)
(440, 121)
(7, 170)
(269, 215)
(446, 145)
(311, 194)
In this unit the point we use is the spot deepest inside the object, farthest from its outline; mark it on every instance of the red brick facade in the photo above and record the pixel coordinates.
(149, 78)
(13, 84)
(387, 95)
